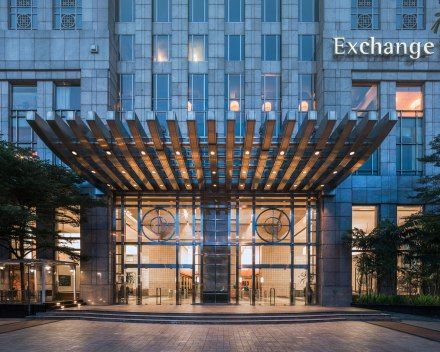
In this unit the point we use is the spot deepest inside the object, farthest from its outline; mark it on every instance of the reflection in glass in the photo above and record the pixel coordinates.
(67, 98)
(307, 95)
(24, 98)
(235, 101)
(364, 97)
(161, 48)
(271, 97)
(198, 48)
(162, 97)
(126, 97)
(198, 100)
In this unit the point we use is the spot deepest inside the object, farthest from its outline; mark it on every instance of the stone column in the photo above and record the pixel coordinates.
(334, 256)
(96, 277)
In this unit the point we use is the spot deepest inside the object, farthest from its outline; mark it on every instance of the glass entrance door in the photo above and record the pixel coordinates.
(216, 253)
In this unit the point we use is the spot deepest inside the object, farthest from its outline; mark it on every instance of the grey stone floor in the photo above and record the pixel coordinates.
(106, 336)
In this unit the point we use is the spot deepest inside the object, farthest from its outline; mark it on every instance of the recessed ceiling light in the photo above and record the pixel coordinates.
(304, 172)
(214, 172)
(243, 172)
(335, 172)
(108, 152)
(108, 185)
(161, 186)
(242, 185)
(183, 172)
(322, 185)
(295, 185)
(268, 186)
(153, 172)
(123, 172)
(212, 152)
(74, 153)
(282, 152)
(177, 153)
(247, 152)
(214, 185)
(143, 152)
(352, 153)
(317, 152)
(93, 172)
(274, 172)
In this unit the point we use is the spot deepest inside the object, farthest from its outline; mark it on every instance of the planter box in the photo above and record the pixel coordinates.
(20, 310)
(430, 311)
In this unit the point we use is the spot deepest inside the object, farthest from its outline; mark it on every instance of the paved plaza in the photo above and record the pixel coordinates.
(107, 336)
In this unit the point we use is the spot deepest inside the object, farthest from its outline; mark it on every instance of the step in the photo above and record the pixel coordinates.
(211, 318)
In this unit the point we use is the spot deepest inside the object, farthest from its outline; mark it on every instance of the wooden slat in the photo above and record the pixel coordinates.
(66, 136)
(42, 129)
(102, 135)
(153, 126)
(287, 131)
(377, 136)
(140, 139)
(195, 148)
(321, 140)
(121, 136)
(304, 134)
(179, 153)
(339, 136)
(230, 146)
(247, 148)
(266, 142)
(83, 134)
(212, 150)
(359, 136)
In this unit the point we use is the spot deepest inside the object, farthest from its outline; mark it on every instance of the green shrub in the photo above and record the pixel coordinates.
(421, 300)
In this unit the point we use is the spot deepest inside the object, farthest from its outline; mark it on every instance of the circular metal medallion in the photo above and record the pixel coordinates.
(158, 224)
(273, 225)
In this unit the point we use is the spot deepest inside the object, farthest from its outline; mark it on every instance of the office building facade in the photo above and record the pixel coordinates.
(235, 142)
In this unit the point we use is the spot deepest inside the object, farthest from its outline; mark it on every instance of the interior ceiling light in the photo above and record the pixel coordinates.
(143, 152)
(317, 152)
(177, 153)
(212, 152)
(282, 152)
(247, 152)
(93, 172)
(335, 172)
(74, 153)
(108, 152)
(352, 153)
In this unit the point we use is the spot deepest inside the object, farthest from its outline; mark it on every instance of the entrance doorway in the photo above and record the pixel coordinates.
(191, 250)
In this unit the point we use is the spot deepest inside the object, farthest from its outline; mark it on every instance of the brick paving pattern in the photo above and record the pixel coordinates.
(105, 337)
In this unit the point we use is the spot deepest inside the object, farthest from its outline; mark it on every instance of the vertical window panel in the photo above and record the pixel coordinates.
(198, 48)
(234, 101)
(198, 10)
(125, 10)
(234, 10)
(161, 11)
(161, 48)
(234, 47)
(67, 14)
(307, 47)
(271, 97)
(23, 15)
(162, 97)
(126, 46)
(198, 99)
(24, 99)
(271, 10)
(271, 48)
(308, 10)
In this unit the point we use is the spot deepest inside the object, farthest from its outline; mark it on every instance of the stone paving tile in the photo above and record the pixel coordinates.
(69, 336)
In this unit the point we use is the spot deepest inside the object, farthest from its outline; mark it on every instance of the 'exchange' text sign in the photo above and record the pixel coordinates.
(373, 47)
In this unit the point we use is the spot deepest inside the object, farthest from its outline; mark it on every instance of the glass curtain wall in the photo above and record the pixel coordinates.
(191, 250)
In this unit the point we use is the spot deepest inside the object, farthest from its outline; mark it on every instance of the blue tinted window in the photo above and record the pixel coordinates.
(126, 47)
(308, 10)
(161, 11)
(198, 10)
(234, 47)
(307, 48)
(125, 11)
(234, 10)
(271, 48)
(271, 10)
